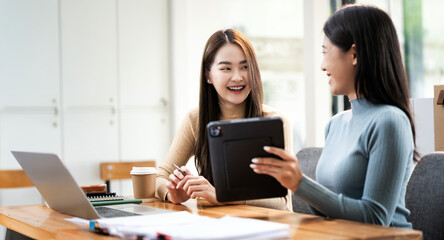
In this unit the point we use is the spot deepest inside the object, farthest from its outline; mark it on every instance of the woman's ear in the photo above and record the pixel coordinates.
(353, 52)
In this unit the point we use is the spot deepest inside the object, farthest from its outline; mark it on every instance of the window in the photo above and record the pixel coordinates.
(419, 26)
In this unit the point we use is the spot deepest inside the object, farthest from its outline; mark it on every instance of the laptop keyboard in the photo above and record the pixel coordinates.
(111, 212)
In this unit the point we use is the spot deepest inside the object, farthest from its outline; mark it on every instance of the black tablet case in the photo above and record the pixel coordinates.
(231, 152)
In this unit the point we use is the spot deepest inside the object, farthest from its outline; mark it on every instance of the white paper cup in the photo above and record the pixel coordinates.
(144, 182)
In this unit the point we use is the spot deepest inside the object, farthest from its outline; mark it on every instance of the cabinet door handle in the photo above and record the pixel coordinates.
(56, 111)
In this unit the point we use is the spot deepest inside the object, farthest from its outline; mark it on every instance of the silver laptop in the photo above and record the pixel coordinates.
(61, 192)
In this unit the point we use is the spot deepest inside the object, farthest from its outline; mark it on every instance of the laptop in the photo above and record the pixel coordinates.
(62, 194)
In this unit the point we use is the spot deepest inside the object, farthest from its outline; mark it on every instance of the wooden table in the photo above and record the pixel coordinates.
(41, 222)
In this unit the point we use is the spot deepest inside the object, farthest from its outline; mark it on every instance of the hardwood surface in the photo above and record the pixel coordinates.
(38, 221)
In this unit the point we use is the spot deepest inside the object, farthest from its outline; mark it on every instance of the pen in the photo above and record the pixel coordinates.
(180, 170)
(95, 227)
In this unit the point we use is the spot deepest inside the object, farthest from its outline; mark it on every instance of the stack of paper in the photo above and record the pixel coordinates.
(183, 225)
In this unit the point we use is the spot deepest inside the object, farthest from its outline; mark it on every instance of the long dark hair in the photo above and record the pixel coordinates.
(209, 109)
(380, 75)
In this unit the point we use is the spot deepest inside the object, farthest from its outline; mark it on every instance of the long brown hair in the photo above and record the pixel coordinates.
(209, 109)
(380, 75)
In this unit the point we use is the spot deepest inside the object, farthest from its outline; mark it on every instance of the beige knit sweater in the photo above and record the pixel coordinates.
(181, 151)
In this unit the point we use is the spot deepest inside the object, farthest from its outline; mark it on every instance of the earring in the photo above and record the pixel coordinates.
(208, 81)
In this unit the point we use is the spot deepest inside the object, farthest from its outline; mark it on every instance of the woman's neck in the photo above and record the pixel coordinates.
(229, 112)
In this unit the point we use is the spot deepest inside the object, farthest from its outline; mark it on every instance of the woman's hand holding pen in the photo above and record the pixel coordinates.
(177, 195)
(287, 172)
(183, 185)
(198, 186)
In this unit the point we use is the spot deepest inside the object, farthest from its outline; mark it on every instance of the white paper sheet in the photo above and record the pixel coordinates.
(184, 225)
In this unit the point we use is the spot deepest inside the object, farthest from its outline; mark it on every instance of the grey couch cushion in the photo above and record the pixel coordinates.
(308, 160)
(425, 196)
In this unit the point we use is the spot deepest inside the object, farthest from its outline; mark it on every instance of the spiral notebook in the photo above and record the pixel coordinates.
(100, 199)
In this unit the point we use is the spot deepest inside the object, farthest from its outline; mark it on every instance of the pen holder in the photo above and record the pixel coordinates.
(144, 182)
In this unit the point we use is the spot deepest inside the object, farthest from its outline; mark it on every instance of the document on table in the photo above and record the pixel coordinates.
(184, 225)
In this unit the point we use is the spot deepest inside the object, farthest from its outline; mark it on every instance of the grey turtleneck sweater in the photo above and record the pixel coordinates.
(364, 168)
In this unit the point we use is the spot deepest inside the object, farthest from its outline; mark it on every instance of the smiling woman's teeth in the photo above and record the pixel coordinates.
(236, 88)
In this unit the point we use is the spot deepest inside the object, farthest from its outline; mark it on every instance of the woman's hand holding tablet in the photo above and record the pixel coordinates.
(287, 172)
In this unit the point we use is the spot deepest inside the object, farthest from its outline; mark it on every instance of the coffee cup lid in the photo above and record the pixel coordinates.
(143, 170)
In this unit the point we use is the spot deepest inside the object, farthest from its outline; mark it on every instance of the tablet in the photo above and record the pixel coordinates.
(232, 145)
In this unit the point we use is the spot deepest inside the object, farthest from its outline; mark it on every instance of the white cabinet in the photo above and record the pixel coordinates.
(87, 80)
(143, 77)
(29, 53)
(143, 61)
(115, 84)
(29, 78)
(89, 51)
(143, 52)
(89, 46)
(89, 138)
(25, 132)
(29, 86)
(144, 136)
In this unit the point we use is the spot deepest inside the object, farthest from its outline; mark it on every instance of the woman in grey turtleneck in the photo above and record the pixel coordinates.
(369, 150)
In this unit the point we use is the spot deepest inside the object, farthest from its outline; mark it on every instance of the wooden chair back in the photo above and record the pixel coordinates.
(14, 179)
(120, 170)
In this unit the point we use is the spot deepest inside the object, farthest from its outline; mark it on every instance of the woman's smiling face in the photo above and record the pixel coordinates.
(229, 75)
(340, 68)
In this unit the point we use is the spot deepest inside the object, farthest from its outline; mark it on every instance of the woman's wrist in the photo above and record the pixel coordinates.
(298, 181)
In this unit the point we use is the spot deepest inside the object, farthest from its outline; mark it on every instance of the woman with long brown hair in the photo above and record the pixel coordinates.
(369, 150)
(230, 88)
